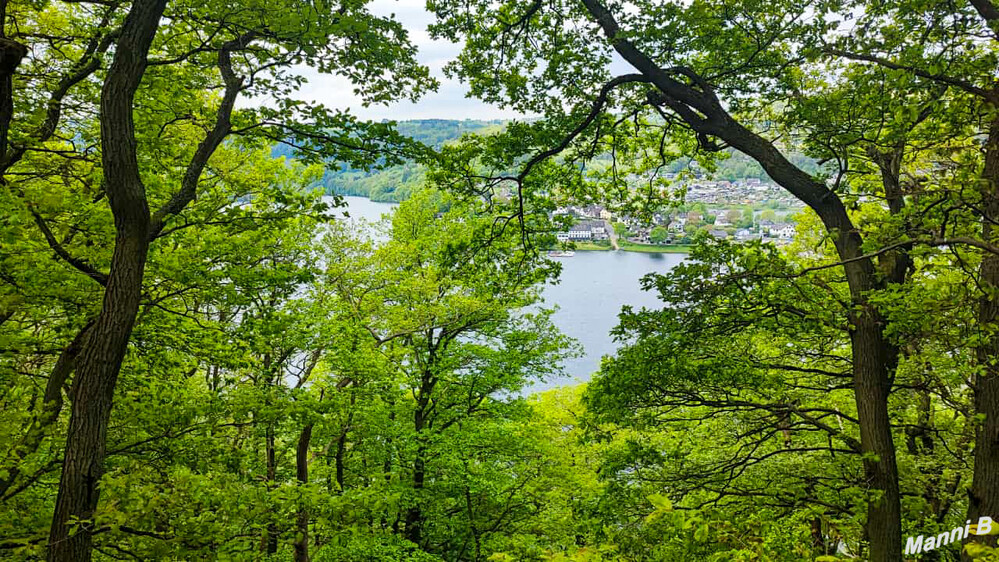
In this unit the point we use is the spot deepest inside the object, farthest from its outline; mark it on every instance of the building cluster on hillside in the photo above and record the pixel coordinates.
(594, 223)
(717, 225)
(751, 191)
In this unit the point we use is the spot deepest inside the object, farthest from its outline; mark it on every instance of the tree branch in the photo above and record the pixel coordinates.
(880, 61)
(208, 146)
(81, 265)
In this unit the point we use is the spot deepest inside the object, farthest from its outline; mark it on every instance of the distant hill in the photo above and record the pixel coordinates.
(399, 182)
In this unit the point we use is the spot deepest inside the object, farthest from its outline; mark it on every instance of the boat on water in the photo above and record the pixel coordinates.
(561, 254)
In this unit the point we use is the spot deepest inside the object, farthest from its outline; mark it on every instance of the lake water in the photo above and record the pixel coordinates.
(593, 288)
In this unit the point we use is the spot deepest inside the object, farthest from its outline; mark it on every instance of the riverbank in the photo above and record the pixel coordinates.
(633, 247)
(592, 247)
(654, 248)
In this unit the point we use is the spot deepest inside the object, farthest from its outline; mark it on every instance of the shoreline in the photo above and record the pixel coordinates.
(633, 247)
(623, 245)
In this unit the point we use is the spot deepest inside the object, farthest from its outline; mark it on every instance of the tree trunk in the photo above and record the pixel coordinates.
(341, 450)
(302, 473)
(414, 516)
(872, 383)
(818, 539)
(101, 358)
(983, 498)
(11, 54)
(270, 542)
(93, 393)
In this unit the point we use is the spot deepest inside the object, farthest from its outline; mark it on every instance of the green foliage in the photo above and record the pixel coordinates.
(291, 381)
(360, 547)
(659, 235)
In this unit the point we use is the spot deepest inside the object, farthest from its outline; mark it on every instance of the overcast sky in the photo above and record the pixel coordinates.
(449, 102)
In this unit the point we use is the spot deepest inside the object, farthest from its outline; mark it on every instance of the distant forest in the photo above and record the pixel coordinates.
(397, 183)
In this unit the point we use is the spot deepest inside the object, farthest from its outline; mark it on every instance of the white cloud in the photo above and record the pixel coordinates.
(448, 102)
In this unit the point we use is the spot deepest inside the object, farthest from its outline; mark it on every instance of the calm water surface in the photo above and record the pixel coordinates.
(593, 288)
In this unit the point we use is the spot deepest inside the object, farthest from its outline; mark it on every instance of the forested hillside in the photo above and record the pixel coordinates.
(202, 359)
(399, 182)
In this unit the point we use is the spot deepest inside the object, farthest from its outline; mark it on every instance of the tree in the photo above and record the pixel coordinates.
(659, 235)
(188, 347)
(748, 68)
(449, 315)
(162, 55)
(714, 357)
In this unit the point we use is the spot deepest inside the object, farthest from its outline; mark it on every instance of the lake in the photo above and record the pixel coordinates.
(593, 288)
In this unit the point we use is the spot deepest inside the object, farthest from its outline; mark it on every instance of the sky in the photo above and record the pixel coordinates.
(448, 102)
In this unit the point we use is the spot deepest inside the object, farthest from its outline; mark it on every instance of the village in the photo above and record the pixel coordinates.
(742, 210)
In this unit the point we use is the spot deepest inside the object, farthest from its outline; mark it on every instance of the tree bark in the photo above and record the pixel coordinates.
(872, 385)
(302, 473)
(11, 54)
(414, 516)
(341, 450)
(101, 358)
(818, 539)
(983, 498)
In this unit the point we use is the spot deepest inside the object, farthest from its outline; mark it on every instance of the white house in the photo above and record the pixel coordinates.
(584, 230)
(785, 230)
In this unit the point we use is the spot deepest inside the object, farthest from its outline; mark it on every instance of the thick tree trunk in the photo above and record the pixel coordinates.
(872, 383)
(11, 54)
(818, 539)
(414, 515)
(101, 358)
(983, 498)
(341, 451)
(93, 392)
(302, 473)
